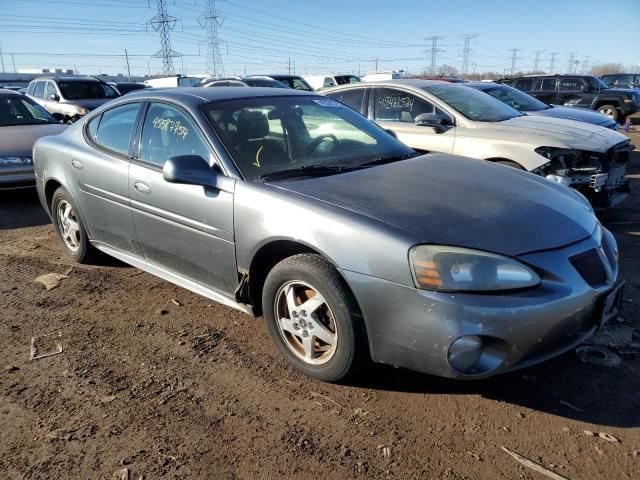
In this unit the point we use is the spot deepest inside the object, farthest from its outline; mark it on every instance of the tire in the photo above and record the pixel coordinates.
(509, 163)
(300, 335)
(610, 111)
(71, 231)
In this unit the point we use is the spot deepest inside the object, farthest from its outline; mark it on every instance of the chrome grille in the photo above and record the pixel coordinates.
(590, 267)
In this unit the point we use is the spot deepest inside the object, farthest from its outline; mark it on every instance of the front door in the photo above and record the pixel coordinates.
(544, 89)
(98, 176)
(396, 110)
(187, 229)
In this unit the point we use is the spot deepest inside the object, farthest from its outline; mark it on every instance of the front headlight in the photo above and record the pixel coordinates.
(81, 111)
(454, 269)
(15, 161)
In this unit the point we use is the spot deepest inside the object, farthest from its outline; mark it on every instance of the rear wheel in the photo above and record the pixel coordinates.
(313, 318)
(69, 227)
(610, 111)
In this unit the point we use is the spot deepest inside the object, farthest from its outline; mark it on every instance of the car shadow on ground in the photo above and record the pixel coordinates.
(564, 386)
(20, 209)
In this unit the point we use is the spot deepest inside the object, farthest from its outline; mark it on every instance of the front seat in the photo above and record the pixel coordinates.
(256, 151)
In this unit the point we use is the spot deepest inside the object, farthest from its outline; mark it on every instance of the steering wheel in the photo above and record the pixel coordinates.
(318, 140)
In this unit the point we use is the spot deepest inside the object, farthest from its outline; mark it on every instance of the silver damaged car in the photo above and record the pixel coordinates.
(353, 247)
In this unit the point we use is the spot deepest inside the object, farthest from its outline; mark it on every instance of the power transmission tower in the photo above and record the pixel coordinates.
(585, 64)
(536, 60)
(572, 64)
(210, 22)
(552, 60)
(514, 58)
(163, 22)
(466, 52)
(434, 51)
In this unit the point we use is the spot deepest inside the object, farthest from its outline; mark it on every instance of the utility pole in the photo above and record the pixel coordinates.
(514, 59)
(13, 61)
(163, 23)
(536, 60)
(126, 56)
(434, 51)
(289, 66)
(572, 63)
(552, 60)
(376, 64)
(210, 21)
(1, 58)
(585, 63)
(466, 52)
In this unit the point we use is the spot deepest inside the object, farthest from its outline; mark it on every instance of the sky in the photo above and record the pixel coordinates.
(308, 37)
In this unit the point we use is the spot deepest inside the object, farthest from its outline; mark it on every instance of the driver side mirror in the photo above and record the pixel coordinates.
(433, 120)
(190, 170)
(54, 97)
(586, 88)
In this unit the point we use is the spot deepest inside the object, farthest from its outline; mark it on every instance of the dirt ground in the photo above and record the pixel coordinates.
(151, 388)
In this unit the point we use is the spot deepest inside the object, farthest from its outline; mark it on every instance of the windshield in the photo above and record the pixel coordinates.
(19, 110)
(344, 79)
(276, 134)
(472, 104)
(515, 98)
(596, 83)
(78, 90)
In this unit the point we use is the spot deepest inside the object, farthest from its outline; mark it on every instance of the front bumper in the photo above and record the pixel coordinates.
(15, 177)
(414, 328)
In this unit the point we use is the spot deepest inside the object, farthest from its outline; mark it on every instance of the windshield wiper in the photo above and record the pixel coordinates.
(388, 159)
(304, 171)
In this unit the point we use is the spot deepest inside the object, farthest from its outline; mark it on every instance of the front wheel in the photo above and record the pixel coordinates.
(610, 111)
(69, 227)
(313, 318)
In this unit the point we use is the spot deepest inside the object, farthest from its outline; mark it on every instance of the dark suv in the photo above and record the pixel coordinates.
(581, 91)
(622, 80)
(71, 97)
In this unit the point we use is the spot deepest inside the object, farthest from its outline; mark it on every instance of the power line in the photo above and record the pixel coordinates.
(164, 23)
(434, 51)
(210, 23)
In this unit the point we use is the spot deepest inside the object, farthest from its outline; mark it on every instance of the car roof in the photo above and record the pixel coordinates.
(199, 95)
(6, 91)
(67, 79)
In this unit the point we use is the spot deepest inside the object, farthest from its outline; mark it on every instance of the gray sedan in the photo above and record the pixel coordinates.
(354, 248)
(22, 122)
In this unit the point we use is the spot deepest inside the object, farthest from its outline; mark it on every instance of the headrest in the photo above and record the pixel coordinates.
(252, 125)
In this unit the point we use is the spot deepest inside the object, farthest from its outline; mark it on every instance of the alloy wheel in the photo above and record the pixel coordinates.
(68, 225)
(305, 322)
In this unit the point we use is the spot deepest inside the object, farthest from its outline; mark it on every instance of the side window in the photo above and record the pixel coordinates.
(114, 130)
(328, 82)
(545, 85)
(92, 127)
(30, 88)
(166, 133)
(396, 106)
(352, 98)
(570, 84)
(609, 79)
(39, 90)
(524, 84)
(50, 90)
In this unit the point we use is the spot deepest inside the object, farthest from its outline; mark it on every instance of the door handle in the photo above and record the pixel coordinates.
(77, 164)
(142, 187)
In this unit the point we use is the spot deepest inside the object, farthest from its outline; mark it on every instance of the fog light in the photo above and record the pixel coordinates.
(465, 352)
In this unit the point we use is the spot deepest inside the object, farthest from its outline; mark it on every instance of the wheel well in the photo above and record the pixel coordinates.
(49, 189)
(607, 102)
(264, 260)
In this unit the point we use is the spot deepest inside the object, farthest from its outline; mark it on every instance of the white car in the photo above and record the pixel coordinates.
(433, 116)
(318, 82)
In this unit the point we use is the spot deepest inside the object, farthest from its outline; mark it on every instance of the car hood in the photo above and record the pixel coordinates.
(547, 131)
(451, 200)
(576, 113)
(18, 140)
(89, 104)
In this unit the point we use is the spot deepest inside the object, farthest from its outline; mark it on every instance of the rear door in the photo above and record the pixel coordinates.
(187, 229)
(397, 109)
(353, 98)
(98, 176)
(570, 91)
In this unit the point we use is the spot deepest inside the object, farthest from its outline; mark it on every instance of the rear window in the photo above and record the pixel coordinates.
(115, 127)
(79, 90)
(352, 98)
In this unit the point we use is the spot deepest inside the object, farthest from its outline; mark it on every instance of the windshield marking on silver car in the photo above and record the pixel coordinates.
(173, 126)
